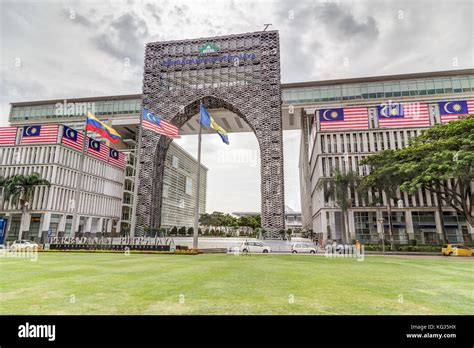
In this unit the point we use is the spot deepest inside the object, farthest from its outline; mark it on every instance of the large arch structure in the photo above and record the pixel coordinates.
(240, 73)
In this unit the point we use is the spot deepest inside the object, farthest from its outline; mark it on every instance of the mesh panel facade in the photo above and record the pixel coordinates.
(240, 73)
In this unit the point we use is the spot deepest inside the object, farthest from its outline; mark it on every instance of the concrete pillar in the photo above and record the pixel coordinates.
(61, 223)
(439, 230)
(409, 224)
(88, 225)
(109, 225)
(323, 223)
(75, 228)
(45, 222)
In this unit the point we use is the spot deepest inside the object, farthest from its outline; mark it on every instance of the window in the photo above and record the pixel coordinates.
(189, 186)
(175, 162)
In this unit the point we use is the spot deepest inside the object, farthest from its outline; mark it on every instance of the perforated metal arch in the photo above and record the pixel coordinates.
(240, 73)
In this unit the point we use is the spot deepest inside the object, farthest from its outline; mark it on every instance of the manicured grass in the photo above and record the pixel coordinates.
(82, 283)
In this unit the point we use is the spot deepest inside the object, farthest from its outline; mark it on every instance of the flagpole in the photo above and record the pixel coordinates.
(198, 187)
(133, 222)
(79, 184)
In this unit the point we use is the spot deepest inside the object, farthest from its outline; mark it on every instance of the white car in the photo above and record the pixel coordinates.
(252, 247)
(21, 245)
(303, 248)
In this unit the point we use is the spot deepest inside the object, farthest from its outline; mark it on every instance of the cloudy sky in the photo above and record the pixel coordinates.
(66, 49)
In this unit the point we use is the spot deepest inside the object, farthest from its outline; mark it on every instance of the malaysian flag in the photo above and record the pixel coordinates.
(46, 133)
(451, 110)
(116, 158)
(8, 135)
(403, 115)
(98, 150)
(344, 118)
(158, 125)
(72, 138)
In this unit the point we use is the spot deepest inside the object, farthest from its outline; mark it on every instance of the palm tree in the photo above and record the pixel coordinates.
(337, 188)
(20, 189)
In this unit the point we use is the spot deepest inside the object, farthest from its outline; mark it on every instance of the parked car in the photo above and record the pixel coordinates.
(456, 250)
(303, 248)
(21, 245)
(252, 247)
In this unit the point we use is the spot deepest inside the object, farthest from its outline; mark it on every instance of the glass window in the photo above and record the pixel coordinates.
(439, 86)
(465, 84)
(317, 94)
(405, 89)
(456, 83)
(430, 88)
(421, 87)
(413, 88)
(387, 88)
(364, 91)
(324, 94)
(396, 89)
(189, 186)
(447, 86)
(175, 162)
(372, 91)
(379, 90)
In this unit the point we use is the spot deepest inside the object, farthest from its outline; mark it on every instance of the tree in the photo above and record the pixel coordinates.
(337, 189)
(384, 179)
(182, 231)
(191, 231)
(441, 161)
(20, 189)
(174, 231)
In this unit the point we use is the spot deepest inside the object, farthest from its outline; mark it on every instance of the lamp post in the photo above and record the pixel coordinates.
(381, 221)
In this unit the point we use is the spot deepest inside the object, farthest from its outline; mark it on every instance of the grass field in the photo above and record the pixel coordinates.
(87, 283)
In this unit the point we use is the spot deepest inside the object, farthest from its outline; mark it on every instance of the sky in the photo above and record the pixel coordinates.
(67, 49)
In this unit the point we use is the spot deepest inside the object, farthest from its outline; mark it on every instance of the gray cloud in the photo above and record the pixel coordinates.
(341, 24)
(125, 38)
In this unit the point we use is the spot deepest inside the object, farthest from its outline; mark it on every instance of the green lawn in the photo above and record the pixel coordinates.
(87, 283)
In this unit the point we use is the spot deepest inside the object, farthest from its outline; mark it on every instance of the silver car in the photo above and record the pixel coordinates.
(303, 248)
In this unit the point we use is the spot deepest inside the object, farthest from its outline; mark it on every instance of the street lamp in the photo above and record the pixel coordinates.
(381, 221)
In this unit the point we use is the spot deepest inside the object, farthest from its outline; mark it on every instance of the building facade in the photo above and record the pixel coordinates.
(180, 166)
(180, 188)
(96, 201)
(325, 149)
(321, 151)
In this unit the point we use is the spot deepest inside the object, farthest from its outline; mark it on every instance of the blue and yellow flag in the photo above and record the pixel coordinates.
(208, 120)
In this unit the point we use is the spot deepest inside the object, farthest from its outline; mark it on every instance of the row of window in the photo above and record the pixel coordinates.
(79, 109)
(56, 154)
(364, 142)
(389, 89)
(423, 198)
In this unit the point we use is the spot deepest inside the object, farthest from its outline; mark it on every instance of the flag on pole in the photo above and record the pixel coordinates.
(116, 158)
(209, 121)
(158, 125)
(8, 135)
(46, 133)
(98, 150)
(72, 138)
(96, 126)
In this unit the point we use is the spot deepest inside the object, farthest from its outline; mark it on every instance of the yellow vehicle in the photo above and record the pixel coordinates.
(456, 250)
